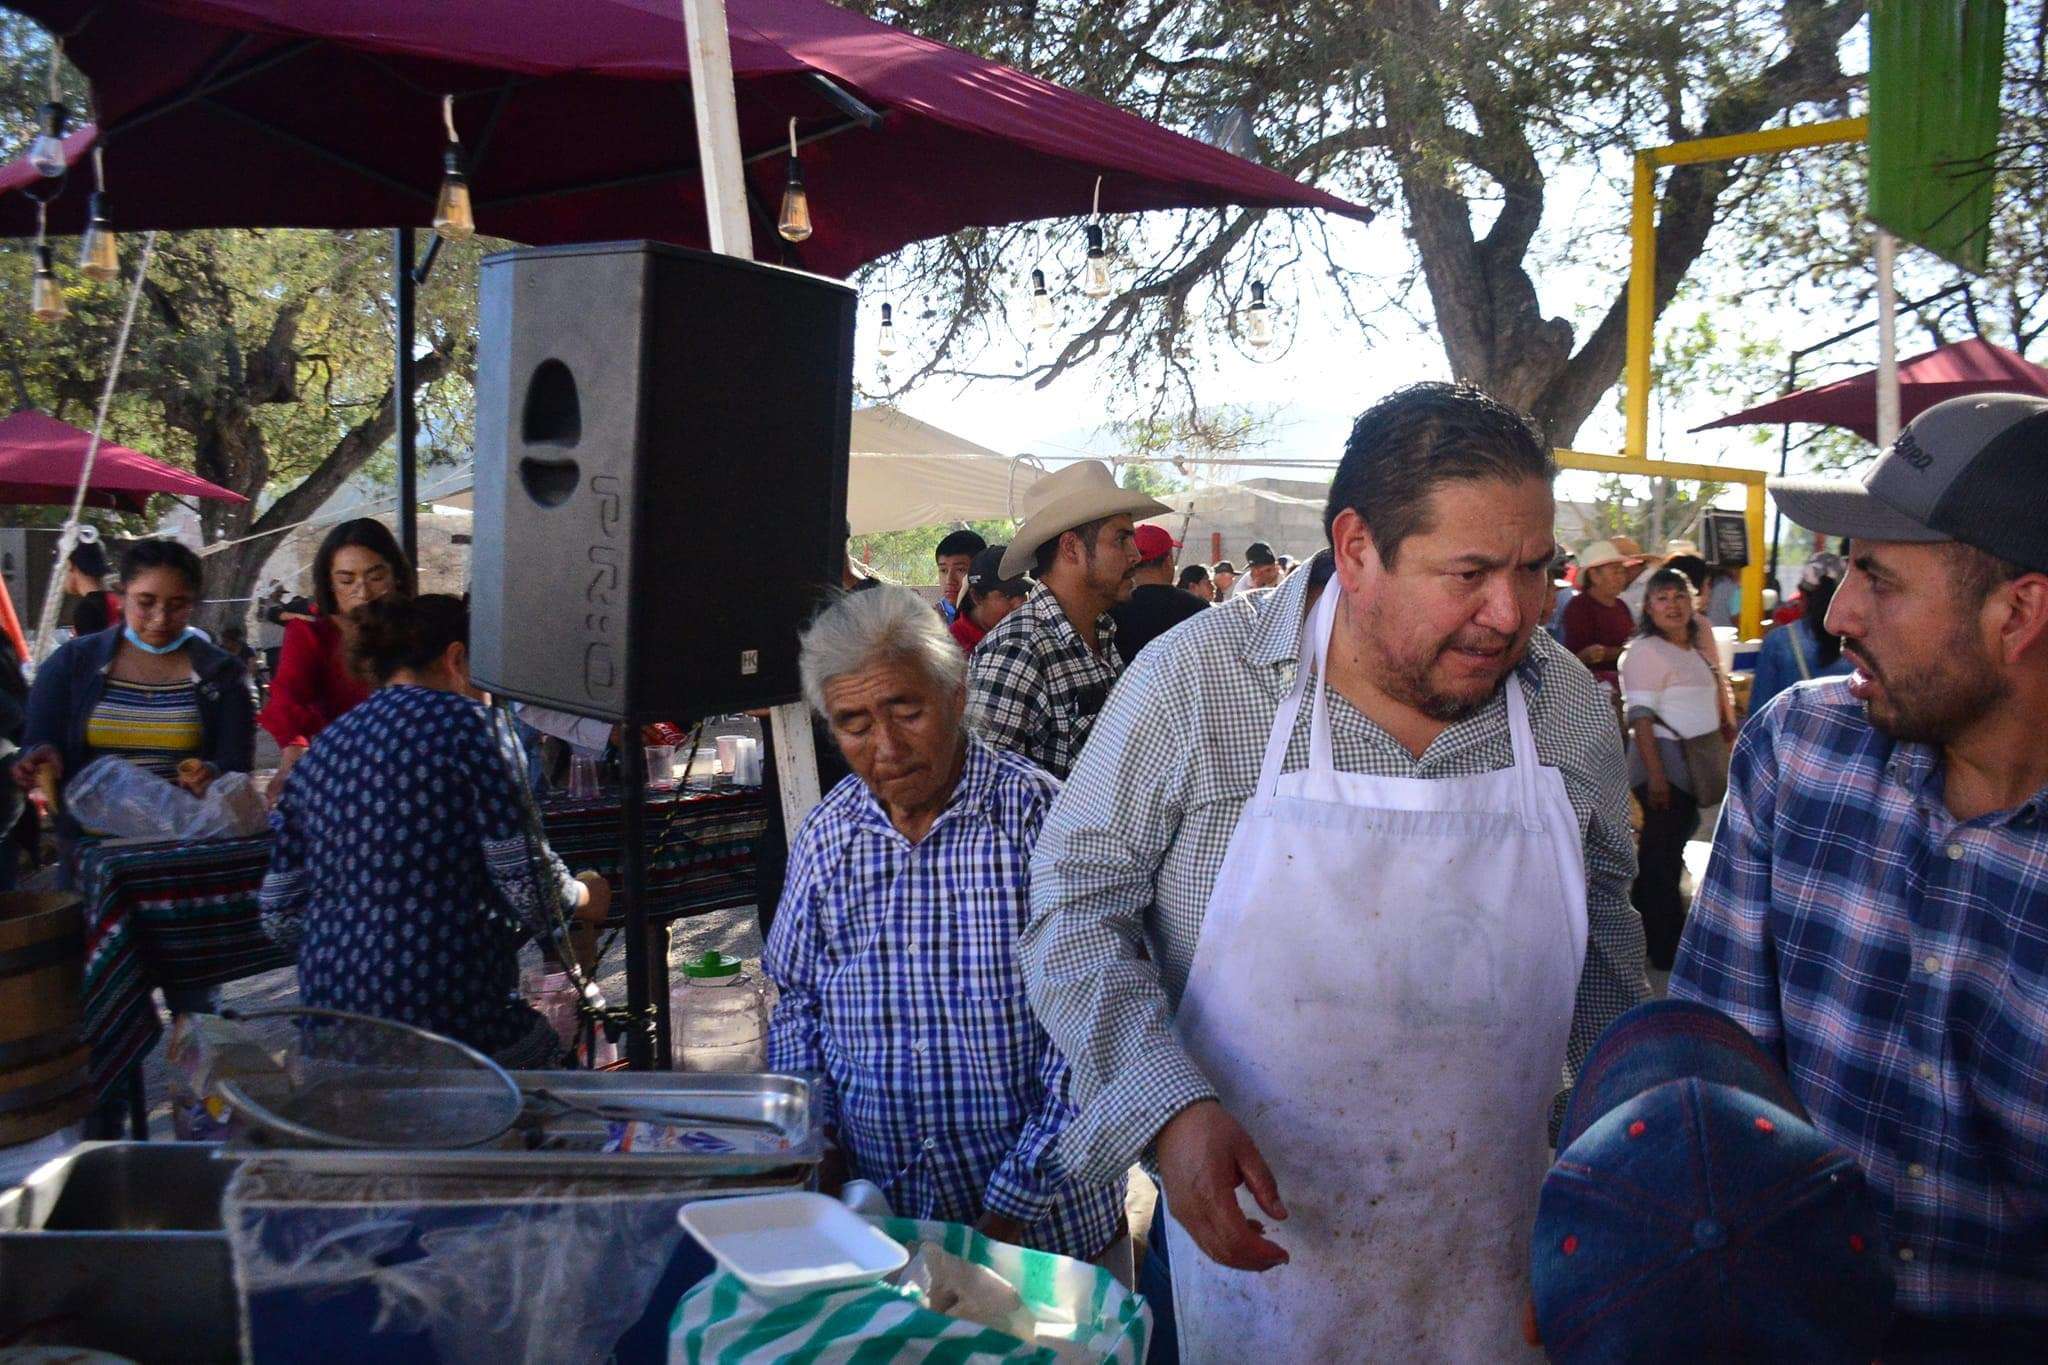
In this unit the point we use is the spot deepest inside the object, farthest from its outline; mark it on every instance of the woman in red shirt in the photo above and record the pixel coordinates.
(315, 685)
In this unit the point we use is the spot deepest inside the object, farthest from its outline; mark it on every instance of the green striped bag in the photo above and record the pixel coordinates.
(720, 1323)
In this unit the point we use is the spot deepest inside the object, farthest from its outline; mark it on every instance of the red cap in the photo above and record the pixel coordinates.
(1155, 543)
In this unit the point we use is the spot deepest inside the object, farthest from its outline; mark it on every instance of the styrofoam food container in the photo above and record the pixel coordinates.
(785, 1245)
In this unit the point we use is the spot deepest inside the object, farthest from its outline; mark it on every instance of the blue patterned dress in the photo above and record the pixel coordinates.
(402, 873)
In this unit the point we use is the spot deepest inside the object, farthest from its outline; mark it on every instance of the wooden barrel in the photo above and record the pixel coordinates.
(44, 1062)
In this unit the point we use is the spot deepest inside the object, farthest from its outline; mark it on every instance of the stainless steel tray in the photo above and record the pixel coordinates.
(770, 1129)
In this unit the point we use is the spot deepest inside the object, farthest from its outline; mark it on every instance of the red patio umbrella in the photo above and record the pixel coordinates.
(40, 458)
(1964, 367)
(576, 123)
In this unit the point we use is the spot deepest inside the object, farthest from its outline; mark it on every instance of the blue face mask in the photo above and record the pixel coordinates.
(128, 633)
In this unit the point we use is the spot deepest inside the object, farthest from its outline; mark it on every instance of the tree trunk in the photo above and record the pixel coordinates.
(1486, 306)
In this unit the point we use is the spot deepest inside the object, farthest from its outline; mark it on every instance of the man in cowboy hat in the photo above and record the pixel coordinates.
(1597, 623)
(1035, 682)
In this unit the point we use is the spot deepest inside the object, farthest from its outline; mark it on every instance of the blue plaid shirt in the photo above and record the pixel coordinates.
(899, 984)
(1897, 961)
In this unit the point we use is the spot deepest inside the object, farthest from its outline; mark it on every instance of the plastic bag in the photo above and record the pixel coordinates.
(1079, 1312)
(112, 796)
(501, 1268)
(205, 1050)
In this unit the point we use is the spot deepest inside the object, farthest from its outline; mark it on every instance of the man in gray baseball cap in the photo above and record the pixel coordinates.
(1876, 908)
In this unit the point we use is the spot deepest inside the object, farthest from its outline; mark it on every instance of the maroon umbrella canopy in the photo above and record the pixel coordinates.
(40, 458)
(1966, 367)
(576, 122)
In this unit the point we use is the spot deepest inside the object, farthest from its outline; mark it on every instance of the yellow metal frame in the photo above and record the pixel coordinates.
(1642, 321)
(1752, 510)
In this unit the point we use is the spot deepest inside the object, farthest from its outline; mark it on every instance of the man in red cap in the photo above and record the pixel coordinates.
(1155, 605)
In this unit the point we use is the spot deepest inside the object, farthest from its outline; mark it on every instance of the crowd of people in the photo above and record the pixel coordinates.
(1317, 899)
(1312, 888)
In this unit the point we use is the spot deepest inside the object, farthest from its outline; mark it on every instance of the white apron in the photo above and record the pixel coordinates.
(1381, 994)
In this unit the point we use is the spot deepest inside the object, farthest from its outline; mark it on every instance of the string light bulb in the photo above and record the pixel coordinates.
(885, 340)
(794, 222)
(454, 216)
(46, 153)
(1095, 276)
(1259, 318)
(99, 257)
(46, 296)
(1041, 303)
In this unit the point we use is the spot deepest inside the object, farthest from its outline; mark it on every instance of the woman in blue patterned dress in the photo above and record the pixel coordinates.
(402, 872)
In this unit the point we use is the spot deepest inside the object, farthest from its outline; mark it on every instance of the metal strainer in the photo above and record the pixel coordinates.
(349, 1080)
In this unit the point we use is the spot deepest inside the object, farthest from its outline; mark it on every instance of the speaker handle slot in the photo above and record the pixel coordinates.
(554, 413)
(549, 482)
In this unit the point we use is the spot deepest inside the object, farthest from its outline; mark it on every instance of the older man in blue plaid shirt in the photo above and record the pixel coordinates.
(895, 944)
(1876, 910)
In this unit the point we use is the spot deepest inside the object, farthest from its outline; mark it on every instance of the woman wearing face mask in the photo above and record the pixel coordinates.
(151, 692)
(316, 684)
(402, 873)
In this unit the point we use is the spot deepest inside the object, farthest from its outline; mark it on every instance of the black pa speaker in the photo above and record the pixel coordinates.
(661, 455)
(1727, 539)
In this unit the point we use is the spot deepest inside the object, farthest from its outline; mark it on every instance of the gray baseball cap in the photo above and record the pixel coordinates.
(1972, 469)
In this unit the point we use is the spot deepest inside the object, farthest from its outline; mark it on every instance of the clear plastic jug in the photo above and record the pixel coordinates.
(718, 1017)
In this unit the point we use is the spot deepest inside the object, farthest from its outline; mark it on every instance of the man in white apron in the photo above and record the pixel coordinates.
(1312, 914)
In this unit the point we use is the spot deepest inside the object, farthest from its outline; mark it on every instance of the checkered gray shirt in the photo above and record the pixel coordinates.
(1121, 875)
(1034, 687)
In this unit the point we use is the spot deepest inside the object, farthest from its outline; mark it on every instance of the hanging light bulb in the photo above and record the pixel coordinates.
(98, 255)
(1095, 277)
(885, 340)
(46, 297)
(46, 153)
(794, 222)
(1259, 319)
(1041, 303)
(454, 219)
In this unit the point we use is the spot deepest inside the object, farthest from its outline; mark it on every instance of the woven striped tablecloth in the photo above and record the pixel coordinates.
(184, 914)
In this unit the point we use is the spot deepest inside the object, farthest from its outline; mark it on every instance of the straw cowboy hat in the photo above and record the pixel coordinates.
(1610, 552)
(1084, 491)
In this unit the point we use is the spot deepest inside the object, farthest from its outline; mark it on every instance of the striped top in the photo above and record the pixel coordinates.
(155, 725)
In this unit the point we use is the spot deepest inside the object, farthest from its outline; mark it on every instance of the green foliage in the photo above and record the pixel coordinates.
(907, 556)
(1149, 479)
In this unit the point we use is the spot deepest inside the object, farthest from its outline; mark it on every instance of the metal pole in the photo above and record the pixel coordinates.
(1784, 463)
(1887, 341)
(1642, 306)
(408, 428)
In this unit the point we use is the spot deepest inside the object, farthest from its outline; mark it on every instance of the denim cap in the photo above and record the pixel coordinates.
(1970, 469)
(1695, 1213)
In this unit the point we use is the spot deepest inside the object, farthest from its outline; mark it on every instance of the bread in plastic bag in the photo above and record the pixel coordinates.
(112, 796)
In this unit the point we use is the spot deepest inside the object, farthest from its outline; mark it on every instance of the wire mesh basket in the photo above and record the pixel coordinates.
(349, 1080)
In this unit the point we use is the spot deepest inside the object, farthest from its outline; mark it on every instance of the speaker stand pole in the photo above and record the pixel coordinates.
(640, 969)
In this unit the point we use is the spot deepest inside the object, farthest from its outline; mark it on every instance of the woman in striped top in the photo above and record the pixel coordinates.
(149, 691)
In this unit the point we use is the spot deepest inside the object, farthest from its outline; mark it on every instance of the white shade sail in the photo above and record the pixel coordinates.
(907, 473)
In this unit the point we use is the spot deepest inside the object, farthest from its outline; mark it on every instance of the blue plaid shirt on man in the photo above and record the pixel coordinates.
(1896, 959)
(899, 984)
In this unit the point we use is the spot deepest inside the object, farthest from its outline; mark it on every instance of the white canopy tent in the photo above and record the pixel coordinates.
(906, 473)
